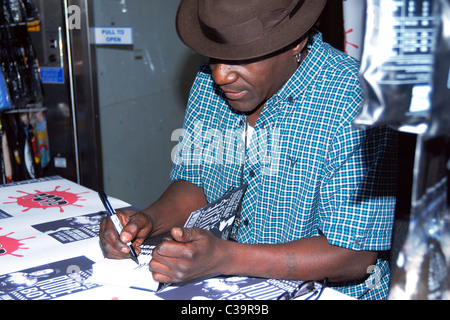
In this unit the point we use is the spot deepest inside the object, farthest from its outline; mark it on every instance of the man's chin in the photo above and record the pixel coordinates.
(243, 108)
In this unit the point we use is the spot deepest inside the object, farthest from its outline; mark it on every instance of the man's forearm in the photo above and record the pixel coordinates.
(175, 205)
(306, 259)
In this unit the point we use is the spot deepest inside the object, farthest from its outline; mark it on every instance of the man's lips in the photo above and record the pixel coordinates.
(234, 95)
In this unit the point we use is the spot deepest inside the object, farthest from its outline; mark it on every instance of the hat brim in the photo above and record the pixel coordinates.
(190, 32)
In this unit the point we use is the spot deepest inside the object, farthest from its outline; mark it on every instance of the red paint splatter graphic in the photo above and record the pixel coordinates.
(47, 199)
(10, 245)
(346, 41)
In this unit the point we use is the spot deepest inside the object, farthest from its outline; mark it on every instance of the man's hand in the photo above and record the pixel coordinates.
(137, 227)
(190, 254)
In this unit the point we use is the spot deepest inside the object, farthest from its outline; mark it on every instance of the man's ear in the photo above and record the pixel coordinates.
(298, 48)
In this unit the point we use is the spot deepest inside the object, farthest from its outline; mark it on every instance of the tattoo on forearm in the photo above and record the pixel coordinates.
(291, 264)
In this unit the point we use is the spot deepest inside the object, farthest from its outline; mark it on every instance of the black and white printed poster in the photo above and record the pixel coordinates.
(74, 228)
(49, 281)
(231, 288)
(218, 217)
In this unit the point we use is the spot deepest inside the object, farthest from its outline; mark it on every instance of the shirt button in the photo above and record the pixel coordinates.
(290, 99)
(252, 174)
(358, 243)
(246, 222)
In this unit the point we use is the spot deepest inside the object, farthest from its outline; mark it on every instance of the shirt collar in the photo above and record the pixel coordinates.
(305, 73)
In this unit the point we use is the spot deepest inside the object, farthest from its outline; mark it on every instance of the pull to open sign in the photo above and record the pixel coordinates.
(113, 35)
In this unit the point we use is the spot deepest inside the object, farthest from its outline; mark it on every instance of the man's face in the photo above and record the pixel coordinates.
(248, 84)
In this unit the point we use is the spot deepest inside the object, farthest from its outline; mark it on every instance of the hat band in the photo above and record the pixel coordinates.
(253, 29)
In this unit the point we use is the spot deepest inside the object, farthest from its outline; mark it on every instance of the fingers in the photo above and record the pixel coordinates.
(170, 269)
(162, 272)
(181, 258)
(182, 243)
(136, 228)
(186, 235)
(109, 240)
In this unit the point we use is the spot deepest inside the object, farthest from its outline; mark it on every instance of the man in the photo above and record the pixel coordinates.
(321, 195)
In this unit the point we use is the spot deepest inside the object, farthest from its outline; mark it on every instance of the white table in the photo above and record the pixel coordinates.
(49, 241)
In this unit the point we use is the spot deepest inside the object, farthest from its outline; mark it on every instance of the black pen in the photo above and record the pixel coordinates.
(116, 222)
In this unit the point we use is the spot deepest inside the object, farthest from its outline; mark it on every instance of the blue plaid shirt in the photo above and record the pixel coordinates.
(309, 172)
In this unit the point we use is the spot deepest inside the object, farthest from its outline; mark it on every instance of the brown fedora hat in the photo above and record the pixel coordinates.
(244, 29)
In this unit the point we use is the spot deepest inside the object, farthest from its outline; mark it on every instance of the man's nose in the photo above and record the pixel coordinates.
(224, 74)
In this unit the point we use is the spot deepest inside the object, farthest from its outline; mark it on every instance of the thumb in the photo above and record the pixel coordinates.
(184, 234)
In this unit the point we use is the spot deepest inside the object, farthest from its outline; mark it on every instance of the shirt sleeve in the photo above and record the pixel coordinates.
(358, 194)
(187, 156)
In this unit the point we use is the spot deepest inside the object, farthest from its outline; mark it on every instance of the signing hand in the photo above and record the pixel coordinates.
(137, 227)
(191, 253)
